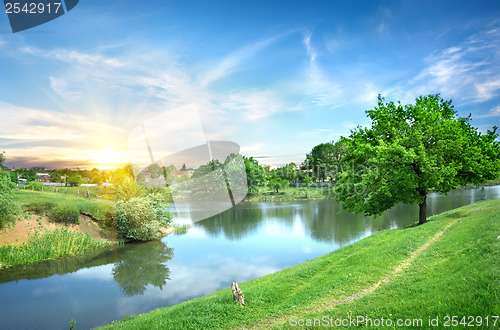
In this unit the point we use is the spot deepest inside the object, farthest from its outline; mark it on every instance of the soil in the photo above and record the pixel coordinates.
(24, 228)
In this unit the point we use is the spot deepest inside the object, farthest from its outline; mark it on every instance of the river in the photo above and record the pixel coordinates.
(251, 240)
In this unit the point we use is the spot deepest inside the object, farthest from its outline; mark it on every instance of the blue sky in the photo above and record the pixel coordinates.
(276, 77)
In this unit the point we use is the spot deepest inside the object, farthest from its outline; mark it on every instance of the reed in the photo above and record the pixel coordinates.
(49, 245)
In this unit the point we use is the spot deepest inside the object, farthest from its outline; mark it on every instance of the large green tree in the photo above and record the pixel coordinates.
(411, 150)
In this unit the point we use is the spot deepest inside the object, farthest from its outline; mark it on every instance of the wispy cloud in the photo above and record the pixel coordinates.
(234, 60)
(467, 71)
(495, 112)
(321, 89)
(74, 57)
(254, 104)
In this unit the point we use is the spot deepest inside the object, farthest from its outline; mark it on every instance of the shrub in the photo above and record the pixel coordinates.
(127, 189)
(35, 185)
(8, 206)
(66, 213)
(140, 218)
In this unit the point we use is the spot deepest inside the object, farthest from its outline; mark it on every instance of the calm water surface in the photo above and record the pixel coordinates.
(249, 241)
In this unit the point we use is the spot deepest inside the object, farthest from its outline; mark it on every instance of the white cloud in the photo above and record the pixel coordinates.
(467, 71)
(231, 62)
(495, 112)
(74, 57)
(487, 90)
(255, 104)
(320, 89)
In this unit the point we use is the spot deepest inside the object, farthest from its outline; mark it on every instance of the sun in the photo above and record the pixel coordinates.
(107, 159)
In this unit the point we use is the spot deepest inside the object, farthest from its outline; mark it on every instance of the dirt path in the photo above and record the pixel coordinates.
(328, 304)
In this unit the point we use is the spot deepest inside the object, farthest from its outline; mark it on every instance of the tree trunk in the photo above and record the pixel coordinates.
(237, 294)
(422, 215)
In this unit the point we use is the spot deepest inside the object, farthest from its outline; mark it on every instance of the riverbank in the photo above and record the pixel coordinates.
(54, 225)
(446, 267)
(316, 193)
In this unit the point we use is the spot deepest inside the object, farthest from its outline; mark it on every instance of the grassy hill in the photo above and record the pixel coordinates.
(445, 269)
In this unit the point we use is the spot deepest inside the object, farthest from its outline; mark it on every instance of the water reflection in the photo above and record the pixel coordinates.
(142, 265)
(135, 266)
(325, 221)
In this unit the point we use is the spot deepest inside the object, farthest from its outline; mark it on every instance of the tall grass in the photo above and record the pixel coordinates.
(43, 203)
(48, 245)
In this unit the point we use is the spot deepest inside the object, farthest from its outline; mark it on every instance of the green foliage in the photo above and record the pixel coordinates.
(97, 179)
(255, 174)
(13, 177)
(412, 150)
(278, 184)
(47, 245)
(126, 189)
(140, 218)
(35, 186)
(39, 207)
(8, 205)
(75, 180)
(320, 159)
(66, 214)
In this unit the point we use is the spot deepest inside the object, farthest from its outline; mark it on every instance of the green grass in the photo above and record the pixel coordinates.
(290, 193)
(49, 245)
(457, 275)
(42, 203)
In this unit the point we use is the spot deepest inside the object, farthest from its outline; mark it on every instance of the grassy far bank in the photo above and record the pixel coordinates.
(289, 194)
(265, 194)
(446, 267)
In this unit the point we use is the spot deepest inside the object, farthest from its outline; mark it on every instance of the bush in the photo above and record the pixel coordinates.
(140, 218)
(35, 185)
(66, 213)
(8, 206)
(127, 189)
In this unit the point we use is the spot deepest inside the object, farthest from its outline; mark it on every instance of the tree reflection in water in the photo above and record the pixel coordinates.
(141, 265)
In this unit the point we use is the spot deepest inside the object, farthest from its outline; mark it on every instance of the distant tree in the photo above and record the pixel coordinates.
(13, 177)
(255, 174)
(168, 173)
(75, 180)
(324, 159)
(183, 168)
(129, 168)
(155, 170)
(96, 179)
(278, 184)
(412, 150)
(119, 175)
(2, 159)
